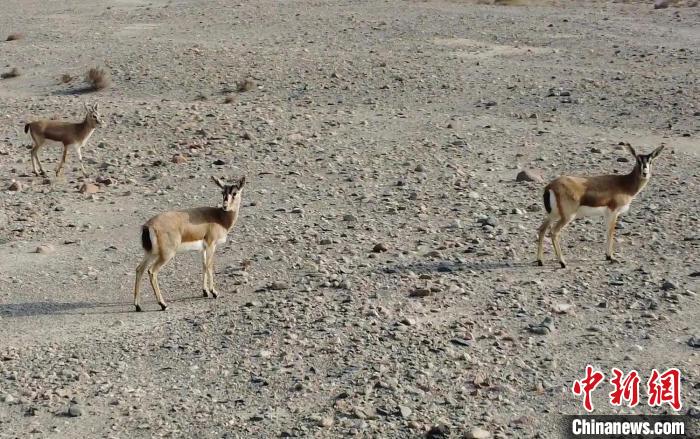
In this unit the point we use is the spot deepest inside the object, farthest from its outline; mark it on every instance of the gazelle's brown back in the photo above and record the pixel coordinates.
(54, 130)
(178, 227)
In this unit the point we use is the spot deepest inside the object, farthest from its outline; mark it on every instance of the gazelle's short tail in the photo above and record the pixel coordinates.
(547, 201)
(146, 239)
(26, 128)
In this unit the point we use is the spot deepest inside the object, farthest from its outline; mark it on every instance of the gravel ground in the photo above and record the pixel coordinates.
(380, 281)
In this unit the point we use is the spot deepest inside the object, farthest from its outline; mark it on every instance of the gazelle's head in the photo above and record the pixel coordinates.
(231, 192)
(93, 115)
(643, 161)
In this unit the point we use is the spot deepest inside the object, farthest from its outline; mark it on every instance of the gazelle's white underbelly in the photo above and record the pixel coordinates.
(197, 246)
(191, 246)
(584, 211)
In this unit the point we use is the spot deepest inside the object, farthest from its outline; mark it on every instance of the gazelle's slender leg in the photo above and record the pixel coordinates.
(205, 274)
(210, 268)
(542, 231)
(153, 273)
(59, 169)
(147, 261)
(80, 159)
(556, 235)
(38, 142)
(612, 222)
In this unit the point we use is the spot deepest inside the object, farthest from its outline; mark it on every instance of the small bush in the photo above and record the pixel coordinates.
(97, 78)
(66, 78)
(15, 36)
(13, 73)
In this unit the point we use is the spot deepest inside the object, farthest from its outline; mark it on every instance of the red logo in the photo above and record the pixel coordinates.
(665, 388)
(588, 385)
(662, 388)
(626, 389)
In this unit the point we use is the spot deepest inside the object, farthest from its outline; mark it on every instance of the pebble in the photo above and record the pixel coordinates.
(379, 248)
(438, 431)
(89, 188)
(45, 249)
(477, 433)
(279, 285)
(74, 411)
(15, 186)
(326, 422)
(405, 411)
(669, 285)
(529, 175)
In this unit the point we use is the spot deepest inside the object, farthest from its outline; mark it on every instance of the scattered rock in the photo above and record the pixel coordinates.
(669, 285)
(662, 4)
(543, 328)
(89, 188)
(477, 433)
(694, 341)
(45, 249)
(438, 431)
(179, 159)
(420, 292)
(379, 248)
(15, 186)
(563, 308)
(326, 422)
(529, 175)
(278, 286)
(74, 411)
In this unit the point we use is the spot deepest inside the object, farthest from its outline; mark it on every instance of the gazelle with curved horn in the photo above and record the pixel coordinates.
(74, 134)
(567, 197)
(200, 229)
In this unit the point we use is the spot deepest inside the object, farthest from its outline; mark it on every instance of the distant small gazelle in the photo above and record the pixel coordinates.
(74, 134)
(200, 229)
(566, 198)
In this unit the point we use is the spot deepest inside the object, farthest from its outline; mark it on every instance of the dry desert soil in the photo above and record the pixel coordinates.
(380, 281)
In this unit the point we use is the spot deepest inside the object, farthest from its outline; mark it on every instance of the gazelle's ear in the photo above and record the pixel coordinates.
(241, 182)
(94, 107)
(630, 149)
(657, 151)
(86, 106)
(218, 182)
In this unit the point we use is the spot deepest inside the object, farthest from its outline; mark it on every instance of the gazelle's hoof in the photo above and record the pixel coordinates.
(214, 294)
(540, 263)
(611, 259)
(163, 306)
(205, 293)
(138, 308)
(563, 264)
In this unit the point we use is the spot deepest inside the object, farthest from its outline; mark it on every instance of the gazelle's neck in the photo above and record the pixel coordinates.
(87, 126)
(635, 181)
(232, 215)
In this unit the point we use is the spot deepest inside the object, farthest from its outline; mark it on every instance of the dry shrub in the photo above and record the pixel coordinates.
(97, 78)
(244, 85)
(13, 73)
(15, 36)
(66, 78)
